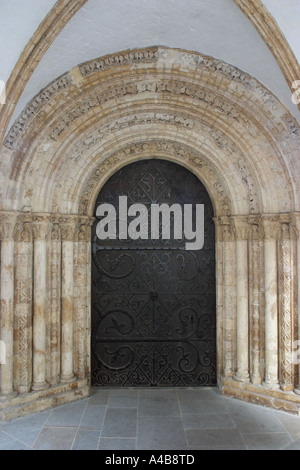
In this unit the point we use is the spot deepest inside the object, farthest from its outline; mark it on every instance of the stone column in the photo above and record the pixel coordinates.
(229, 295)
(67, 349)
(255, 307)
(242, 302)
(271, 229)
(296, 349)
(23, 306)
(7, 225)
(40, 228)
(286, 308)
(55, 303)
(81, 300)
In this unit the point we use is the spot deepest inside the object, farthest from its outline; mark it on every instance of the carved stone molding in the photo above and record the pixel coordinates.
(33, 107)
(154, 148)
(176, 88)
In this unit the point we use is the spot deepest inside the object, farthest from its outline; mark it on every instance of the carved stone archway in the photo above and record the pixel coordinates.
(162, 103)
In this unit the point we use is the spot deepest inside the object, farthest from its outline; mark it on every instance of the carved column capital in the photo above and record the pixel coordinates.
(7, 225)
(84, 228)
(255, 227)
(271, 227)
(23, 229)
(226, 229)
(285, 231)
(296, 224)
(40, 226)
(241, 228)
(68, 228)
(55, 231)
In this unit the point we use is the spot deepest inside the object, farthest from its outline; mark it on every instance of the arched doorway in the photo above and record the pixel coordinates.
(153, 300)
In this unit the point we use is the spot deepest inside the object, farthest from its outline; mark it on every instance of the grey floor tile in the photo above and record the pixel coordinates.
(295, 445)
(108, 443)
(98, 397)
(120, 422)
(123, 392)
(28, 428)
(67, 415)
(207, 421)
(160, 433)
(119, 401)
(205, 394)
(7, 442)
(214, 437)
(158, 403)
(158, 393)
(93, 417)
(238, 447)
(253, 419)
(267, 441)
(52, 438)
(207, 403)
(86, 440)
(290, 422)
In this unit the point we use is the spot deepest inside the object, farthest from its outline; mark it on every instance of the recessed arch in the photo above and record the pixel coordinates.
(208, 116)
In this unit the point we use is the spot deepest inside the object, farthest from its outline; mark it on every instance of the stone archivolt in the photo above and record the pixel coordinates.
(194, 110)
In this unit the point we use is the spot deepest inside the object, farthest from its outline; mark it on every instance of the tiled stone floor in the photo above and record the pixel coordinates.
(155, 419)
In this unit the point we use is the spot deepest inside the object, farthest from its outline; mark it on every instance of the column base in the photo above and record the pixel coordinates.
(241, 377)
(68, 379)
(21, 405)
(277, 399)
(4, 395)
(24, 389)
(271, 385)
(40, 386)
(297, 391)
(256, 380)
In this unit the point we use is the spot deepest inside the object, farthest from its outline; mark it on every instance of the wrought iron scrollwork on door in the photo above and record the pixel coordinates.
(153, 301)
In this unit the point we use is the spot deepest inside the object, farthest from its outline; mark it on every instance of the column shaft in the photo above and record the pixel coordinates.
(286, 311)
(39, 312)
(296, 348)
(67, 349)
(271, 314)
(255, 262)
(229, 298)
(7, 309)
(242, 373)
(55, 305)
(23, 309)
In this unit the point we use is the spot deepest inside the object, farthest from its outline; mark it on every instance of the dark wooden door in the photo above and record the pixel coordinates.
(153, 301)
